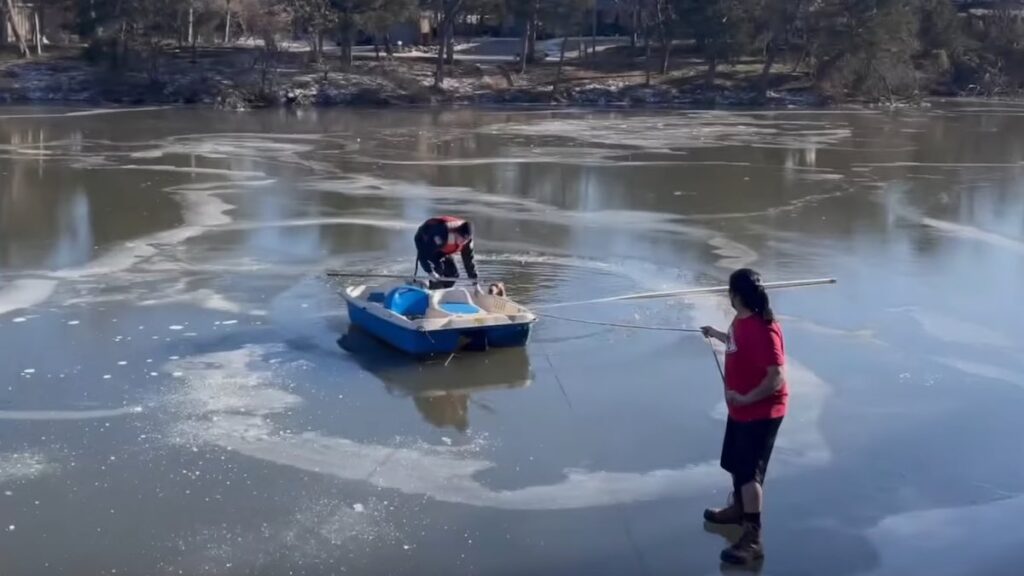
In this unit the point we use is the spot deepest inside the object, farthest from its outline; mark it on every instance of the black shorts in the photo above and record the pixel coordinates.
(747, 447)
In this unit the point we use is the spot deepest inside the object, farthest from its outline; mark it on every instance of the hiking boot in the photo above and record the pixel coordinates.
(747, 550)
(731, 514)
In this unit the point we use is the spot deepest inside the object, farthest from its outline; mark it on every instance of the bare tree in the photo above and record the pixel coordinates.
(314, 17)
(665, 17)
(563, 16)
(777, 20)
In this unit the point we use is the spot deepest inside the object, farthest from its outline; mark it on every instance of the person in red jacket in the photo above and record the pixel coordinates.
(756, 395)
(437, 241)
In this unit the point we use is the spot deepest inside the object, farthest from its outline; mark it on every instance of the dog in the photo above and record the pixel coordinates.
(497, 289)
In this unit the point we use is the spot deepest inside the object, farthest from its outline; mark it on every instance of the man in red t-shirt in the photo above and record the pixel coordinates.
(756, 394)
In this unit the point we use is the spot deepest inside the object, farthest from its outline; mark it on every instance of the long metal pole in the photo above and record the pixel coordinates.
(691, 292)
(333, 274)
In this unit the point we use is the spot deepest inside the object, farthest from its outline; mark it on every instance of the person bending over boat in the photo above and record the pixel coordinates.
(756, 395)
(437, 241)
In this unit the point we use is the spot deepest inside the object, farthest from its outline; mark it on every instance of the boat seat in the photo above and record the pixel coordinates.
(408, 301)
(459, 308)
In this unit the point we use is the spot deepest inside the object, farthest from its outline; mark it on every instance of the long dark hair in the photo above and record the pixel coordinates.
(745, 284)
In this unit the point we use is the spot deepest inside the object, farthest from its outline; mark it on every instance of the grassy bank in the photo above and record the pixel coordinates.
(240, 78)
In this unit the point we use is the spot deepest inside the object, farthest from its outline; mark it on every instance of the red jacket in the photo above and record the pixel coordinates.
(436, 239)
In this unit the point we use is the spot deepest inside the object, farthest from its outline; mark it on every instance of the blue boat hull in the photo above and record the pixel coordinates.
(428, 343)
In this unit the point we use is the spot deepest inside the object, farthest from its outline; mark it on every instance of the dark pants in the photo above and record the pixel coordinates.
(446, 268)
(746, 449)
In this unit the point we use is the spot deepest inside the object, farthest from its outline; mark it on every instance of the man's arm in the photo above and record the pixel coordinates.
(467, 260)
(711, 332)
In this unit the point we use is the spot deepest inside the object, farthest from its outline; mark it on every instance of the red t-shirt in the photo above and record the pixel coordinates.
(753, 347)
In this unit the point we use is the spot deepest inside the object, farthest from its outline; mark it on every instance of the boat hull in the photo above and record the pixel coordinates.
(443, 341)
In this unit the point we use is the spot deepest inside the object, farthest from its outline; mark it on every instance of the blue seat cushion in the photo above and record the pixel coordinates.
(459, 308)
(408, 301)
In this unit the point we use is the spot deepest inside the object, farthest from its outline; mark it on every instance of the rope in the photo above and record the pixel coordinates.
(717, 361)
(561, 386)
(618, 324)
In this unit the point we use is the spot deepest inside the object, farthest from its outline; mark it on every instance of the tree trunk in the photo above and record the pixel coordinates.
(388, 47)
(39, 31)
(665, 31)
(447, 9)
(593, 32)
(179, 28)
(886, 84)
(193, 38)
(632, 29)
(442, 44)
(666, 53)
(523, 47)
(800, 61)
(18, 36)
(558, 74)
(712, 72)
(227, 22)
(124, 45)
(769, 61)
(269, 42)
(531, 49)
(647, 56)
(634, 33)
(449, 54)
(348, 40)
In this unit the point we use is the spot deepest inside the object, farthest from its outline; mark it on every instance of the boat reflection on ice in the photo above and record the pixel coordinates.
(441, 389)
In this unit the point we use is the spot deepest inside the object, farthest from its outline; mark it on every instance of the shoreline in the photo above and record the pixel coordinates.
(239, 80)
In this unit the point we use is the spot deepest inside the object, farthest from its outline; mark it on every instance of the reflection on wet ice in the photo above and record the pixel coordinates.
(442, 389)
